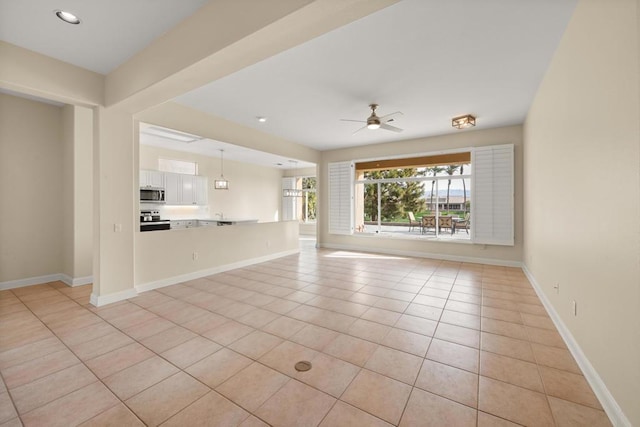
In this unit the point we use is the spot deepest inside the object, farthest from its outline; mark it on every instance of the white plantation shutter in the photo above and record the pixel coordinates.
(341, 197)
(288, 203)
(492, 195)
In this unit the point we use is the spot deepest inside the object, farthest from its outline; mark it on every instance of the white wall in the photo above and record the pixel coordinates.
(510, 255)
(31, 207)
(582, 191)
(254, 191)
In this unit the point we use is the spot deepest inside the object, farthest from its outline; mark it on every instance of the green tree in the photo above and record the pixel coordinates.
(396, 197)
(464, 188)
(435, 170)
(450, 170)
(309, 211)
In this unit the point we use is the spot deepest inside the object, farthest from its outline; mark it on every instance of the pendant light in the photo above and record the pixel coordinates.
(221, 184)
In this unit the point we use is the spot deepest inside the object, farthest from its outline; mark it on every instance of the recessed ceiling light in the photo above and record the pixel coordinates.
(67, 17)
(262, 119)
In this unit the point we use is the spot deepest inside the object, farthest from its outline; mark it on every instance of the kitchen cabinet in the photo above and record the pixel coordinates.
(186, 189)
(183, 223)
(201, 190)
(150, 178)
(172, 188)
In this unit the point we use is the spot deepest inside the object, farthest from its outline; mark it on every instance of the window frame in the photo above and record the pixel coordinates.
(508, 194)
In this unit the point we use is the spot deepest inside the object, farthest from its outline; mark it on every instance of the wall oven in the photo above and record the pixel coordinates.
(152, 195)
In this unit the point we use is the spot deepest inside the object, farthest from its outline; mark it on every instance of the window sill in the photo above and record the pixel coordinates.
(413, 238)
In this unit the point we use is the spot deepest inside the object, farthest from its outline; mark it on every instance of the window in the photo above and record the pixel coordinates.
(309, 200)
(178, 166)
(300, 203)
(452, 196)
(429, 200)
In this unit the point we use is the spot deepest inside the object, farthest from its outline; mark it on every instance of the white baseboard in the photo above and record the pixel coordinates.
(209, 271)
(418, 254)
(611, 407)
(29, 281)
(100, 300)
(76, 281)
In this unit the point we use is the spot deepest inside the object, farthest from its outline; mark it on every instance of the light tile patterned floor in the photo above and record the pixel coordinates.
(393, 341)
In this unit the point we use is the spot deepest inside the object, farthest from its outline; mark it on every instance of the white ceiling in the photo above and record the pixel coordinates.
(430, 59)
(110, 32)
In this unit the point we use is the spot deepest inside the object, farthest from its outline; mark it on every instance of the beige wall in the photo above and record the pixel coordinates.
(300, 172)
(28, 72)
(164, 255)
(115, 204)
(77, 167)
(83, 192)
(465, 139)
(31, 207)
(582, 190)
(254, 191)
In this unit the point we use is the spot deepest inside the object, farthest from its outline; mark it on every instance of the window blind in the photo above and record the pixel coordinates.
(340, 177)
(492, 196)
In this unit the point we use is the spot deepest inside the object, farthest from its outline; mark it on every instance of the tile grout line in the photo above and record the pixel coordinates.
(80, 362)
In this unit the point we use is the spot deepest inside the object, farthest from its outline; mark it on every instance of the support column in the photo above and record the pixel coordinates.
(113, 200)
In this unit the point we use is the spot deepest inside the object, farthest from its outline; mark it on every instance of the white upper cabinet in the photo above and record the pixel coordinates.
(188, 184)
(201, 190)
(186, 189)
(151, 179)
(172, 188)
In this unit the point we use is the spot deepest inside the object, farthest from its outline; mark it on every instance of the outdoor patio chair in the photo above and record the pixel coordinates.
(445, 222)
(428, 222)
(412, 220)
(462, 223)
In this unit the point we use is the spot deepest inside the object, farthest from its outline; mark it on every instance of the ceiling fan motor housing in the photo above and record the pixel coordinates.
(373, 118)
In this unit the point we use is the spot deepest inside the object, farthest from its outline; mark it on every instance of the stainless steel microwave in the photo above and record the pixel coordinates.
(152, 195)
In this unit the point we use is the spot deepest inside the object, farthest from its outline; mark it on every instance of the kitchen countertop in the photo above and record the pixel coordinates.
(179, 224)
(218, 219)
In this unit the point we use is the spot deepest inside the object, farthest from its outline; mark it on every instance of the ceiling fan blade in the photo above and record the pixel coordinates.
(362, 128)
(348, 120)
(389, 127)
(388, 116)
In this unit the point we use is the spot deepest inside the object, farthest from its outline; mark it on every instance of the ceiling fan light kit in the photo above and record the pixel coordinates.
(374, 122)
(463, 122)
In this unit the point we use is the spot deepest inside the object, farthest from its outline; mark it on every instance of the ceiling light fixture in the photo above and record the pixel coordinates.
(67, 17)
(463, 122)
(170, 134)
(262, 119)
(222, 183)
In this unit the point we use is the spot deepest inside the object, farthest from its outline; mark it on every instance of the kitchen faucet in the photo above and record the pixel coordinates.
(221, 215)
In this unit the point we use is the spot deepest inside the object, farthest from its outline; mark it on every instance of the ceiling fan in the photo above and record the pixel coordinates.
(374, 122)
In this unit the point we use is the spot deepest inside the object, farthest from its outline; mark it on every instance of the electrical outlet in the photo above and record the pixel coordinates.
(268, 243)
(195, 256)
(117, 228)
(556, 286)
(574, 307)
